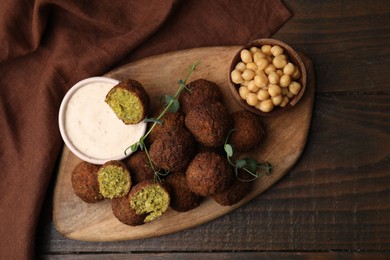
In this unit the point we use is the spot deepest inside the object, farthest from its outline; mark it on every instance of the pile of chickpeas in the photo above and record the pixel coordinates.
(266, 77)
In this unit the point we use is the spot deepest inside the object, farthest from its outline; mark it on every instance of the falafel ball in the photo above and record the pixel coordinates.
(233, 194)
(149, 198)
(182, 199)
(129, 101)
(208, 173)
(85, 182)
(170, 123)
(139, 167)
(124, 213)
(114, 179)
(249, 131)
(209, 123)
(173, 151)
(199, 91)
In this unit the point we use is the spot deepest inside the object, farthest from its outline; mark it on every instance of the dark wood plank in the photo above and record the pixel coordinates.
(226, 255)
(347, 41)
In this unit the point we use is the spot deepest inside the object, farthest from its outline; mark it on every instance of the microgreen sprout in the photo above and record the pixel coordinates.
(247, 164)
(172, 105)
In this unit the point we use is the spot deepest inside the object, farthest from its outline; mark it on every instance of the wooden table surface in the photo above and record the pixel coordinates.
(335, 202)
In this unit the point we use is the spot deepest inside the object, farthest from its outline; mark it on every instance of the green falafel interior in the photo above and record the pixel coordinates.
(152, 200)
(127, 106)
(114, 181)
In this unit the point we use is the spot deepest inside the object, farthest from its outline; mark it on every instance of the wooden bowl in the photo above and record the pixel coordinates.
(292, 56)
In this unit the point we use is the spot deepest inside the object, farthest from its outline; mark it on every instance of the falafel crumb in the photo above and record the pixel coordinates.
(127, 106)
(152, 200)
(114, 181)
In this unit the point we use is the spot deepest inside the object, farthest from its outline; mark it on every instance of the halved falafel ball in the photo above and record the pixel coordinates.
(170, 123)
(129, 101)
(125, 213)
(85, 182)
(114, 179)
(249, 131)
(233, 194)
(208, 173)
(149, 198)
(173, 151)
(139, 166)
(182, 199)
(197, 92)
(209, 123)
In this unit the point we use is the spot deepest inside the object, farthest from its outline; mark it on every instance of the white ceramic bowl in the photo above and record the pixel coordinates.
(88, 126)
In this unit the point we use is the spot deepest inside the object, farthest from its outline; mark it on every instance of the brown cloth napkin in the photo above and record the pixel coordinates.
(48, 45)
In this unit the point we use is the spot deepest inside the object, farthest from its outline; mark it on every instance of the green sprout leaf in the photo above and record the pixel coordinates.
(229, 150)
(247, 164)
(175, 106)
(134, 147)
(240, 163)
(168, 99)
(251, 164)
(142, 145)
(153, 120)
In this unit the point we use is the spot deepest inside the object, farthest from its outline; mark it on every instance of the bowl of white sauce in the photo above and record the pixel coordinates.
(89, 127)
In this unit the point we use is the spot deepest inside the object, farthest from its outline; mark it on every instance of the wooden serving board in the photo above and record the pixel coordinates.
(286, 138)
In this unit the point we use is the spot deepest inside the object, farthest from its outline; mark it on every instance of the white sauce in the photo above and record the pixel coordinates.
(93, 128)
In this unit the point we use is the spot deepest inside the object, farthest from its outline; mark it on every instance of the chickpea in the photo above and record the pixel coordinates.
(294, 87)
(252, 99)
(273, 78)
(261, 80)
(284, 91)
(236, 77)
(277, 100)
(258, 105)
(248, 74)
(252, 86)
(279, 72)
(279, 62)
(243, 92)
(254, 49)
(284, 102)
(274, 90)
(246, 56)
(245, 83)
(289, 69)
(258, 55)
(283, 56)
(270, 68)
(266, 105)
(276, 50)
(251, 66)
(266, 49)
(296, 73)
(285, 81)
(262, 95)
(240, 66)
(262, 63)
(290, 95)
